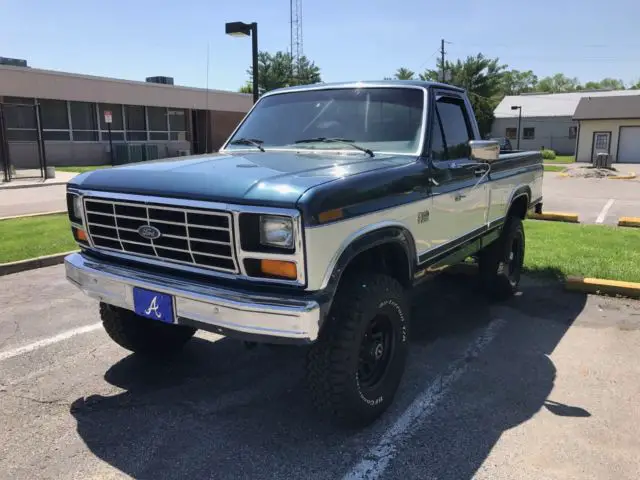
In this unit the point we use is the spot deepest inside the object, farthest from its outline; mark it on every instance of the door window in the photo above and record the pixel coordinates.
(602, 141)
(453, 125)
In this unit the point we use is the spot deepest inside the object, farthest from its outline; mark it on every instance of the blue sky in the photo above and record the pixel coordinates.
(348, 39)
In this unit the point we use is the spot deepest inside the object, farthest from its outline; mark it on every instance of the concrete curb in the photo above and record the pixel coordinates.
(600, 286)
(629, 176)
(554, 217)
(629, 222)
(41, 214)
(33, 185)
(33, 263)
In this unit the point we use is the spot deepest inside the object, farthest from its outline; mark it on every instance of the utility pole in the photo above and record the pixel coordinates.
(442, 52)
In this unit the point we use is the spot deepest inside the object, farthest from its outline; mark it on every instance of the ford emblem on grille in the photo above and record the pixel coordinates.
(149, 232)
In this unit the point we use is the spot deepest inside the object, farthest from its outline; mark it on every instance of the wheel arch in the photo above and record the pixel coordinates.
(519, 202)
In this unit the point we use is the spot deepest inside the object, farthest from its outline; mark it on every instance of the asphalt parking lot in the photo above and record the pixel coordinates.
(601, 201)
(543, 386)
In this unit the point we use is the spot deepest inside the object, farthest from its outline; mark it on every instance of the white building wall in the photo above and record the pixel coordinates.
(550, 132)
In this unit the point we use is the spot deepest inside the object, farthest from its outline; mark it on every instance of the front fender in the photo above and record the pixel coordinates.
(374, 236)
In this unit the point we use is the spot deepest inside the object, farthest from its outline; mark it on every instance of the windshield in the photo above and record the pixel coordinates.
(379, 119)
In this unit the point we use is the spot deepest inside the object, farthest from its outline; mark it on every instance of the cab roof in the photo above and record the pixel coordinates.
(368, 83)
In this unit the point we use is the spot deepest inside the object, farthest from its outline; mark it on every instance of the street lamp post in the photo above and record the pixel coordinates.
(519, 108)
(240, 29)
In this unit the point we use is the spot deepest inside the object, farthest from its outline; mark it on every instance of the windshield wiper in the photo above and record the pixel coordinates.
(337, 140)
(248, 141)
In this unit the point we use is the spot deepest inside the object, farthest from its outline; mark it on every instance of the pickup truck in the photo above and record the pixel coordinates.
(310, 225)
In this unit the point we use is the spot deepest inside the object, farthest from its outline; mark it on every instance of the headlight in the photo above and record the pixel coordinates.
(77, 207)
(276, 231)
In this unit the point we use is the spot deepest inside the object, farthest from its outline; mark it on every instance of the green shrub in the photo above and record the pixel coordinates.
(548, 154)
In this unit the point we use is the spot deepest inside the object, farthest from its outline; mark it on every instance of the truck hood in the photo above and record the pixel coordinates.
(274, 178)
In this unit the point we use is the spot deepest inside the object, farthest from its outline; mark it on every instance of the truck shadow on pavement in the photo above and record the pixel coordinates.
(220, 411)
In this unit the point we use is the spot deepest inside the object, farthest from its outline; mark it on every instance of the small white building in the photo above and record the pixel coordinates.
(609, 125)
(547, 119)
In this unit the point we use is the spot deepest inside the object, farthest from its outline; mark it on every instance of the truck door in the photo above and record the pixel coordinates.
(460, 189)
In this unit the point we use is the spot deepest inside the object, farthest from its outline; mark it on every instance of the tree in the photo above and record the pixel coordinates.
(515, 82)
(278, 70)
(481, 77)
(404, 74)
(635, 86)
(558, 83)
(605, 84)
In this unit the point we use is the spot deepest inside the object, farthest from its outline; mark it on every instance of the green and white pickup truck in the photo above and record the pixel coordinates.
(325, 206)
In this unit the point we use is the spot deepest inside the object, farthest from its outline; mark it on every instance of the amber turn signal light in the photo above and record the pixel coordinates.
(330, 215)
(80, 235)
(279, 268)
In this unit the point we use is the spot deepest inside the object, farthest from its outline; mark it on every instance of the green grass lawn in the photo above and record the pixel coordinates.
(562, 249)
(554, 168)
(562, 159)
(81, 169)
(22, 238)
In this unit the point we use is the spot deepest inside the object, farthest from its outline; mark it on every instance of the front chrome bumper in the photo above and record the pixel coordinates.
(210, 308)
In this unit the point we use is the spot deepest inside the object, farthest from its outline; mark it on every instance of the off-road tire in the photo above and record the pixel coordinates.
(333, 361)
(142, 335)
(500, 263)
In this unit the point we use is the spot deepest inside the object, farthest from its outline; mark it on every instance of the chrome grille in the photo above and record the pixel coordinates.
(202, 238)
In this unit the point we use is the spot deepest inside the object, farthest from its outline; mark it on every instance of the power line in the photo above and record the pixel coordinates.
(428, 58)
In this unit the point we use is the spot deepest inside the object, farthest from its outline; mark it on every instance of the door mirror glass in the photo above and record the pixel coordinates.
(485, 151)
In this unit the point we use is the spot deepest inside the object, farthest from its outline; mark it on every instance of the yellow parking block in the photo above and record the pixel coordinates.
(602, 286)
(629, 222)
(555, 216)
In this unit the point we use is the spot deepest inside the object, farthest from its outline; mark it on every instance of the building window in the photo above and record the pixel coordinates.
(55, 119)
(84, 123)
(136, 123)
(158, 123)
(20, 117)
(117, 122)
(511, 133)
(529, 133)
(177, 124)
(573, 131)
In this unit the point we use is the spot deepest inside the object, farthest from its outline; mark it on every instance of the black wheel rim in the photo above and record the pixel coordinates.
(376, 351)
(515, 258)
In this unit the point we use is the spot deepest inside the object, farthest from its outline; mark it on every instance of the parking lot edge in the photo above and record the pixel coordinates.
(39, 214)
(602, 286)
(33, 263)
(629, 222)
(555, 217)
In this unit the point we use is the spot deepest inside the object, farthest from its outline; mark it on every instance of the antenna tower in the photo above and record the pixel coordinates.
(296, 34)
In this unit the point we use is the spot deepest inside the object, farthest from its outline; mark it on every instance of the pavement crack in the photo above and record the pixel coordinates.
(40, 401)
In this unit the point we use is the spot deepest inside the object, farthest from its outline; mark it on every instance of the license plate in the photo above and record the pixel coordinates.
(153, 305)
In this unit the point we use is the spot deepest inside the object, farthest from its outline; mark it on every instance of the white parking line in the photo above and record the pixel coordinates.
(45, 342)
(378, 457)
(604, 211)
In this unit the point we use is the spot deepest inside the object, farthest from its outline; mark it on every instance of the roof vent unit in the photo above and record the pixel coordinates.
(162, 80)
(14, 62)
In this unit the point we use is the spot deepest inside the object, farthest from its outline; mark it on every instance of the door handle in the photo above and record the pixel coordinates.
(459, 196)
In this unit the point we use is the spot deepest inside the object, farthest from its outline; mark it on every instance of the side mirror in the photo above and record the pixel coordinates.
(486, 151)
